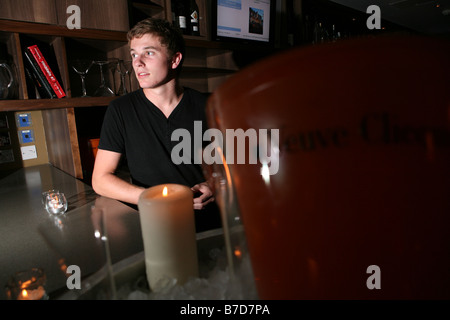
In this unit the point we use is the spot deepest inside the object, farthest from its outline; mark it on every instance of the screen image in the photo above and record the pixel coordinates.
(244, 19)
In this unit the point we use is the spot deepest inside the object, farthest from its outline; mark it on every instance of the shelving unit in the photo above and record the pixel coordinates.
(215, 58)
(206, 66)
(60, 123)
(43, 104)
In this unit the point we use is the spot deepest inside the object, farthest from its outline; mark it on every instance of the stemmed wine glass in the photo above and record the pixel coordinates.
(124, 68)
(103, 90)
(113, 67)
(82, 66)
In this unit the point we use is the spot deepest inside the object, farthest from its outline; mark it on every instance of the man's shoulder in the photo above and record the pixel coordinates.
(127, 99)
(196, 95)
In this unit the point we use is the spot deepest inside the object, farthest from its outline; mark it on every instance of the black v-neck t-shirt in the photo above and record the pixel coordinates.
(136, 128)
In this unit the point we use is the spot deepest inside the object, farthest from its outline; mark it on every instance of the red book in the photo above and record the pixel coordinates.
(48, 73)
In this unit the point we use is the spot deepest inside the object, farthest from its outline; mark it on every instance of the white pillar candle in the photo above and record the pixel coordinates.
(168, 231)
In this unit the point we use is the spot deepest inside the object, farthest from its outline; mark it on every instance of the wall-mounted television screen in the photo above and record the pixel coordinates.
(250, 21)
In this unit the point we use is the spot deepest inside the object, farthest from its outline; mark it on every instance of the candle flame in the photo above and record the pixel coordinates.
(54, 201)
(24, 293)
(165, 192)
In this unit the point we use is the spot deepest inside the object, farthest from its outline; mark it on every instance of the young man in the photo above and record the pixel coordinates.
(139, 125)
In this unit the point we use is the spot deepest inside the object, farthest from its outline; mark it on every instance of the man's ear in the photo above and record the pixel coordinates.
(176, 60)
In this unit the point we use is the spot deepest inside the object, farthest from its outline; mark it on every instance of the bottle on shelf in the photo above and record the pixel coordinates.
(317, 32)
(181, 12)
(194, 19)
(320, 33)
(335, 35)
(290, 23)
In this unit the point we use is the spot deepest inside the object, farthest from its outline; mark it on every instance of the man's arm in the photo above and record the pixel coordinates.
(106, 183)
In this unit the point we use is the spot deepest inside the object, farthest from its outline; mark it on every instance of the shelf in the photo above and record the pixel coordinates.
(42, 104)
(34, 28)
(202, 42)
(200, 71)
(62, 31)
(148, 9)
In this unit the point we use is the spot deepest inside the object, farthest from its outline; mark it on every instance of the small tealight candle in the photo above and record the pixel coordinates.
(55, 202)
(27, 285)
(168, 230)
(36, 294)
(45, 194)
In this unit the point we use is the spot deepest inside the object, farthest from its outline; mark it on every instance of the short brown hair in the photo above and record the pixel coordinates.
(169, 36)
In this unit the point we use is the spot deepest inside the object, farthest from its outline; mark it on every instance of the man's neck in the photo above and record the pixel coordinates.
(166, 97)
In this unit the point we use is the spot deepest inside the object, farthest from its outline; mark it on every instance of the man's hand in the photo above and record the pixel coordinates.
(202, 195)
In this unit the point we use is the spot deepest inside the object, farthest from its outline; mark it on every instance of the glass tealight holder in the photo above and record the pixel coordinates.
(27, 285)
(44, 196)
(55, 202)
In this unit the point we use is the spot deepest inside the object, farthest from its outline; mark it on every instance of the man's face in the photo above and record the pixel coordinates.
(151, 62)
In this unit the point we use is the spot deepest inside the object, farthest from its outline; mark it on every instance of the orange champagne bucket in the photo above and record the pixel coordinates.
(359, 206)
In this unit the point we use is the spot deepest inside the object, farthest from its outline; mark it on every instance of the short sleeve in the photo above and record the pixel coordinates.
(112, 132)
